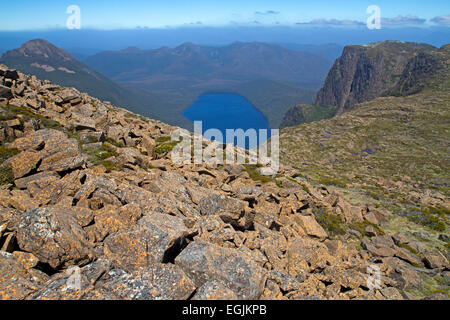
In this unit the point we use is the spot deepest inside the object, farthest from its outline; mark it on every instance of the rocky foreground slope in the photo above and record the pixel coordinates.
(91, 207)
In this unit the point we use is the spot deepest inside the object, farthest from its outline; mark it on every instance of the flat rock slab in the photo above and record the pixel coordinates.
(98, 281)
(24, 163)
(310, 226)
(156, 238)
(216, 203)
(59, 153)
(158, 282)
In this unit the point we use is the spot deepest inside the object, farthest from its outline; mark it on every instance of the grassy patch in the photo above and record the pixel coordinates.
(408, 247)
(92, 139)
(252, 170)
(165, 145)
(334, 225)
(49, 123)
(6, 176)
(6, 153)
(429, 286)
(72, 134)
(27, 114)
(333, 182)
(306, 188)
(102, 155)
(361, 228)
(135, 116)
(115, 143)
(430, 217)
(163, 139)
(111, 165)
(447, 246)
(6, 115)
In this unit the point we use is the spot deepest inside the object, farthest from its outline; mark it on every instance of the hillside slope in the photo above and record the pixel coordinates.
(391, 152)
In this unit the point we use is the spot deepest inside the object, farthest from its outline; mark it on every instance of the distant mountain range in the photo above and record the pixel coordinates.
(162, 83)
(330, 51)
(194, 65)
(269, 76)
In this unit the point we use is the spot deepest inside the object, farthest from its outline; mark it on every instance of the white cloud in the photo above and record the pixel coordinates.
(267, 13)
(403, 20)
(332, 22)
(442, 20)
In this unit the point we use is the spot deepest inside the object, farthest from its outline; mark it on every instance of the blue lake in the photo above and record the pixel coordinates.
(226, 111)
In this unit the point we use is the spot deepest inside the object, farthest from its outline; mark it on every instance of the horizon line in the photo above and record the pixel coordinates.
(230, 26)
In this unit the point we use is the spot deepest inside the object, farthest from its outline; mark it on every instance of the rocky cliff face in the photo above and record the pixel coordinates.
(364, 73)
(91, 207)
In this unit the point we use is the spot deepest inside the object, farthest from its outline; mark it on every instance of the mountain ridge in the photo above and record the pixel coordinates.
(43, 59)
(237, 61)
(164, 100)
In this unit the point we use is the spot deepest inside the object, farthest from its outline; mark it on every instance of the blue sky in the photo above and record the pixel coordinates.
(119, 14)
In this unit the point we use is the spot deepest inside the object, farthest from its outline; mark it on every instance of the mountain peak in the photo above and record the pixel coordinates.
(39, 48)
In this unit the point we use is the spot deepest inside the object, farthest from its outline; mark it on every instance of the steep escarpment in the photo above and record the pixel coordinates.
(92, 207)
(364, 73)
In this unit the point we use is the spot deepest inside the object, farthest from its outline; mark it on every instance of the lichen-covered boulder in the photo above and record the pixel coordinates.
(53, 235)
(204, 262)
(214, 290)
(157, 237)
